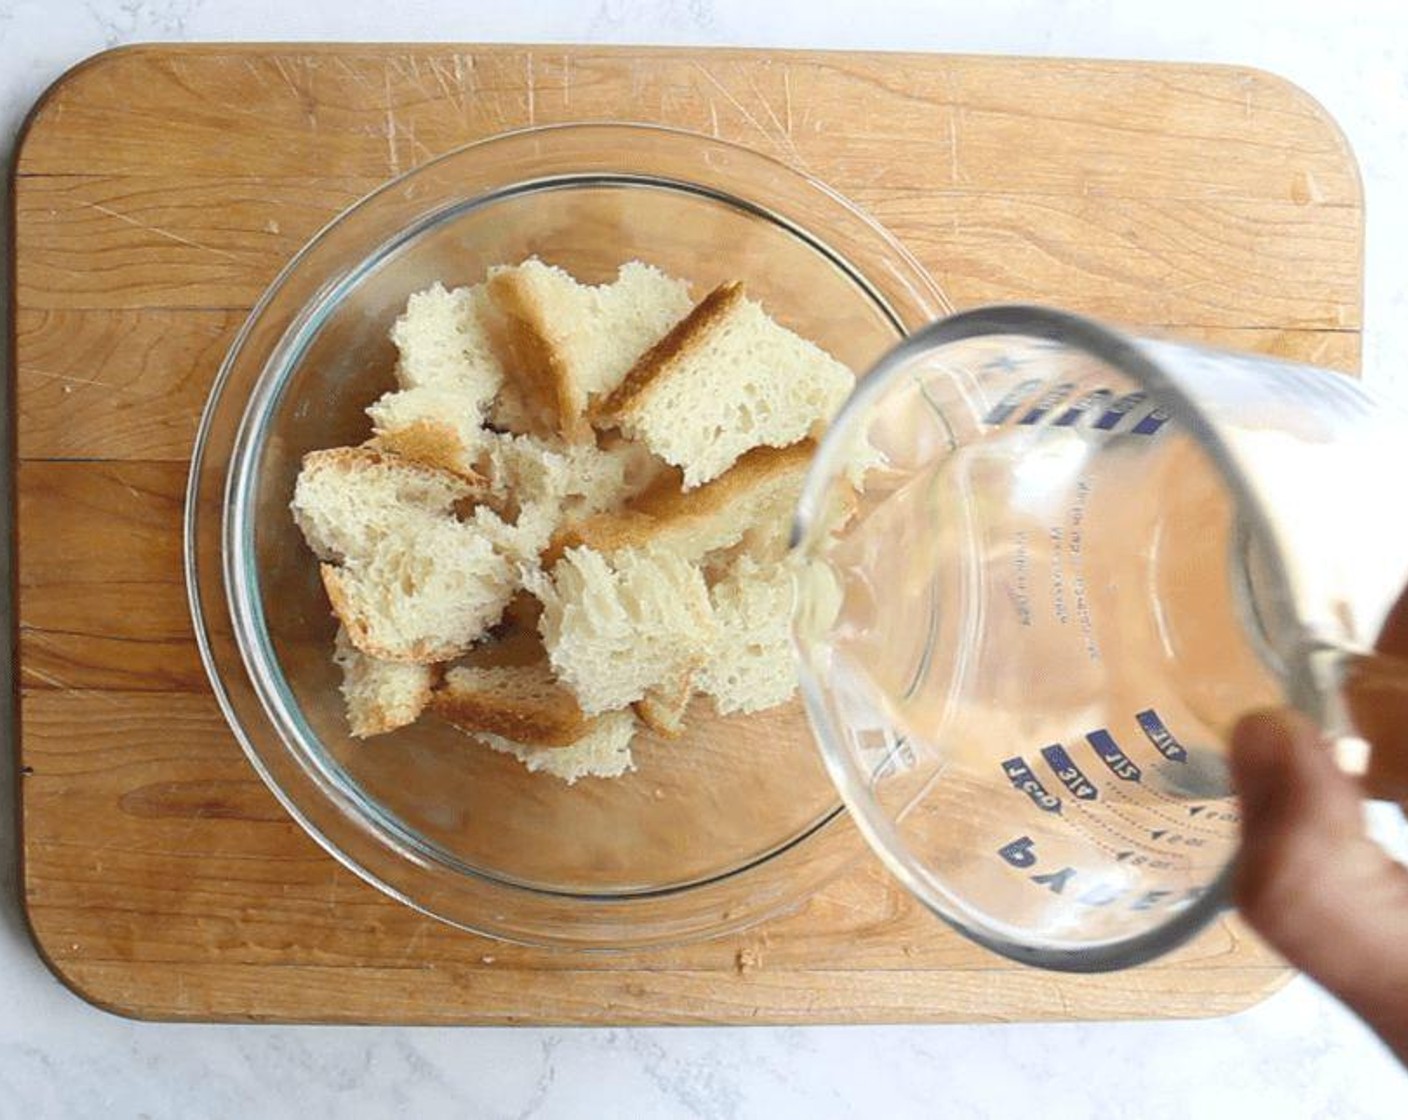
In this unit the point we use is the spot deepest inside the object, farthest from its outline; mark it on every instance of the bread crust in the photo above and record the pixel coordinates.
(349, 460)
(368, 715)
(557, 721)
(666, 512)
(652, 367)
(434, 444)
(522, 334)
(663, 708)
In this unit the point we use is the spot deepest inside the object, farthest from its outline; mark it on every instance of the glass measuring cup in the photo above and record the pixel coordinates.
(1028, 624)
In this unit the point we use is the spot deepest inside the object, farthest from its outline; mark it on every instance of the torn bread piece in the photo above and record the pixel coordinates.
(750, 665)
(604, 751)
(347, 500)
(757, 494)
(379, 696)
(414, 567)
(423, 599)
(524, 703)
(663, 707)
(724, 380)
(432, 443)
(503, 694)
(616, 629)
(580, 479)
(574, 342)
(514, 473)
(443, 345)
(431, 426)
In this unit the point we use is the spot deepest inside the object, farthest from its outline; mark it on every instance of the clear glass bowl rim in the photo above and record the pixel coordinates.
(308, 792)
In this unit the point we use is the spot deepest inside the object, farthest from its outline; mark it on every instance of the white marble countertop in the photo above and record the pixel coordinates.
(1297, 1054)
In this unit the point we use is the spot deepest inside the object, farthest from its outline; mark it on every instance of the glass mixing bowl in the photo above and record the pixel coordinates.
(711, 832)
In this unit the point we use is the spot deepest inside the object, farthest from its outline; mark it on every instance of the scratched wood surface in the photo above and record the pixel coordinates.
(157, 192)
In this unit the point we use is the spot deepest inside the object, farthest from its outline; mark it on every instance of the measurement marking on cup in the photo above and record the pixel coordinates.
(1124, 768)
(1022, 778)
(1090, 890)
(1161, 736)
(1019, 773)
(1151, 830)
(1118, 763)
(1145, 812)
(1151, 423)
(1136, 812)
(1109, 411)
(1119, 409)
(1013, 398)
(1144, 859)
(1068, 773)
(1085, 405)
(1186, 772)
(1046, 402)
(1092, 816)
(1179, 839)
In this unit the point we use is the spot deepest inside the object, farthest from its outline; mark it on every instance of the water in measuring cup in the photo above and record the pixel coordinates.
(1040, 665)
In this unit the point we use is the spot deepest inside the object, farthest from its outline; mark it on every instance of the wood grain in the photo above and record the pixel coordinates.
(893, 121)
(157, 192)
(1226, 263)
(203, 867)
(105, 384)
(1216, 261)
(111, 384)
(434, 995)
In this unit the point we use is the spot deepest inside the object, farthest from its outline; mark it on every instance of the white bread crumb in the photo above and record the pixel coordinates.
(574, 342)
(750, 665)
(407, 577)
(614, 629)
(380, 696)
(604, 752)
(347, 500)
(443, 345)
(726, 380)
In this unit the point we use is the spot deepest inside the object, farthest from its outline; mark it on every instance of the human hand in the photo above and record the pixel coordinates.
(1310, 880)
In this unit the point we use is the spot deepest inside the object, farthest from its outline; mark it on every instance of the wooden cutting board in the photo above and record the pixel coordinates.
(157, 192)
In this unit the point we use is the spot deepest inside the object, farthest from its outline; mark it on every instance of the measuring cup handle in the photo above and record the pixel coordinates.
(1374, 688)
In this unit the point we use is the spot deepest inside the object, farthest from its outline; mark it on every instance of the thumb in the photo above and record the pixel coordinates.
(1310, 880)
